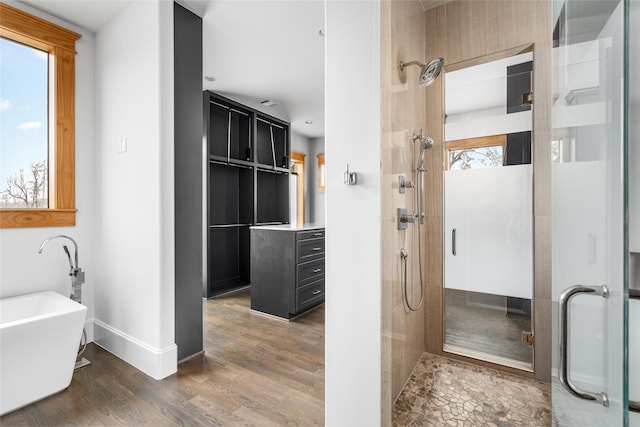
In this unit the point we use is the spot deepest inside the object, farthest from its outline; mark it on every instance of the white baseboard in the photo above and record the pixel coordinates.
(88, 328)
(157, 363)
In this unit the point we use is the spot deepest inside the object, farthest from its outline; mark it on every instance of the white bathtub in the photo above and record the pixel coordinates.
(39, 338)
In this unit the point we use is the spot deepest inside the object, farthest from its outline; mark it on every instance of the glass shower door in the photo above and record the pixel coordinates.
(589, 236)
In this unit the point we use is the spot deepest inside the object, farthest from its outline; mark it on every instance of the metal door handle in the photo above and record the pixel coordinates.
(565, 299)
(453, 242)
(634, 406)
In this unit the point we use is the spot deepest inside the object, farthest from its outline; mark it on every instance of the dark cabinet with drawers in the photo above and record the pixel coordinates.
(287, 269)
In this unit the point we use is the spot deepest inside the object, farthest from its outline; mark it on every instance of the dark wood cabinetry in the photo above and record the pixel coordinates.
(288, 268)
(247, 184)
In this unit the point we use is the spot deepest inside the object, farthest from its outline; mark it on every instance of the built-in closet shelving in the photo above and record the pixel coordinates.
(247, 184)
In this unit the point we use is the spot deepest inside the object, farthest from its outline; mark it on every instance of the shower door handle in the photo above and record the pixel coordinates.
(563, 374)
(634, 406)
(453, 242)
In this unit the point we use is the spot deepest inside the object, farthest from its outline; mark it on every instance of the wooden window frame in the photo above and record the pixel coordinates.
(298, 159)
(479, 142)
(321, 173)
(59, 42)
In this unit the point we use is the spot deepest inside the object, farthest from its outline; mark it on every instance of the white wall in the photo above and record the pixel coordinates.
(134, 190)
(22, 270)
(353, 281)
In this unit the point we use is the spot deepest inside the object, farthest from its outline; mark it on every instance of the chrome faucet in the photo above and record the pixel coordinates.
(76, 273)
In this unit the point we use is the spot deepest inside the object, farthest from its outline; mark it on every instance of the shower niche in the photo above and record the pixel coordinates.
(247, 184)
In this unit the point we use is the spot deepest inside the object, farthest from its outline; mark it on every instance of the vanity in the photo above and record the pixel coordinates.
(287, 269)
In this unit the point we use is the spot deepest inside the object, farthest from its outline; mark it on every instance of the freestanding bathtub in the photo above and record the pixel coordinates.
(39, 338)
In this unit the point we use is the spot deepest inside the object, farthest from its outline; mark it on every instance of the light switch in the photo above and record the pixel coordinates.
(122, 146)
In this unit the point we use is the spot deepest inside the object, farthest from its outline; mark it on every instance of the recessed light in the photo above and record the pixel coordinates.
(210, 78)
(268, 103)
(308, 122)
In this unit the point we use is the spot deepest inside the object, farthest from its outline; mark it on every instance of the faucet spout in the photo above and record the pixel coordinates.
(75, 246)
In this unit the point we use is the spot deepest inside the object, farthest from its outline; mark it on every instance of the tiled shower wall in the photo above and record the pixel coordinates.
(403, 112)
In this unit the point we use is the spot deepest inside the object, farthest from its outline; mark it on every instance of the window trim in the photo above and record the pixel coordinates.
(30, 30)
(321, 173)
(478, 142)
(298, 159)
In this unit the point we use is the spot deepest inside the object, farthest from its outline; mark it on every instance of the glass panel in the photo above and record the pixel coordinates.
(632, 38)
(488, 221)
(24, 81)
(588, 204)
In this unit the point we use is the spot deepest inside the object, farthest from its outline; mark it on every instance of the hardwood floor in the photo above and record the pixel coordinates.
(255, 371)
(475, 330)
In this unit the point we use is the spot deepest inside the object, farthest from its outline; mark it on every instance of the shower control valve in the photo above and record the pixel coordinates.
(404, 184)
(404, 218)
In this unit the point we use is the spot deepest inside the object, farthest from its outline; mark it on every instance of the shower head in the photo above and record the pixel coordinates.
(425, 144)
(429, 72)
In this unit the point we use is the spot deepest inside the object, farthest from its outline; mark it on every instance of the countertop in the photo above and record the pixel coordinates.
(289, 227)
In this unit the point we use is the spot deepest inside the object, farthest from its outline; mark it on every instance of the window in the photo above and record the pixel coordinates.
(320, 173)
(48, 160)
(475, 153)
(24, 93)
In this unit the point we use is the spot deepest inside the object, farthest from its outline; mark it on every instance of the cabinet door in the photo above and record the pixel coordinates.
(239, 135)
(218, 129)
(280, 146)
(272, 143)
(264, 151)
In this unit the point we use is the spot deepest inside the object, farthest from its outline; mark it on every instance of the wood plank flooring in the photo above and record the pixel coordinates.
(255, 371)
(479, 330)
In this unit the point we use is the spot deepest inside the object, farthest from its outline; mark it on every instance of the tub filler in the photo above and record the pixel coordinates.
(39, 338)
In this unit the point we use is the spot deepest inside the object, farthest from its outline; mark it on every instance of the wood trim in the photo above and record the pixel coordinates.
(479, 142)
(59, 42)
(299, 159)
(65, 130)
(41, 32)
(297, 156)
(21, 218)
(321, 176)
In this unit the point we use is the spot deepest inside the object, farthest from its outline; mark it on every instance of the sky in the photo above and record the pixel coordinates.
(23, 107)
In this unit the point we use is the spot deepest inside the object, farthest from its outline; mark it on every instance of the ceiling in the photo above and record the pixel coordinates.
(254, 49)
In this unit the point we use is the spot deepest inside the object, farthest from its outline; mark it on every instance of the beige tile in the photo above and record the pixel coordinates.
(542, 257)
(543, 339)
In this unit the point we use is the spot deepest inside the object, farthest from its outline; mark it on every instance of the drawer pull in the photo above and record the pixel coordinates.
(316, 249)
(317, 234)
(317, 270)
(317, 291)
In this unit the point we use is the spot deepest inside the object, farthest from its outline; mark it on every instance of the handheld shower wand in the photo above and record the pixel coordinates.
(425, 144)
